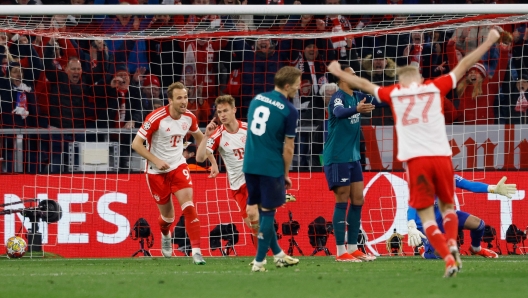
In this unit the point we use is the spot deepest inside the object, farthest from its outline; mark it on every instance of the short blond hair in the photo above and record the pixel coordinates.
(225, 99)
(176, 85)
(408, 72)
(287, 75)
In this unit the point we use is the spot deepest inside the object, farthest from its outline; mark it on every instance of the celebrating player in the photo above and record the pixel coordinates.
(423, 144)
(272, 121)
(342, 167)
(167, 173)
(230, 140)
(466, 221)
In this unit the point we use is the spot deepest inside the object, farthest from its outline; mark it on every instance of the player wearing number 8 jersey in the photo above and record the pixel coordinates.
(272, 121)
(230, 141)
(167, 173)
(423, 144)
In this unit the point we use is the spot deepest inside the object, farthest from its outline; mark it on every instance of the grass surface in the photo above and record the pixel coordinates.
(231, 277)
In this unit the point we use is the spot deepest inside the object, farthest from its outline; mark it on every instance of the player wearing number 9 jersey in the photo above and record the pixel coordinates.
(167, 173)
(272, 121)
(423, 144)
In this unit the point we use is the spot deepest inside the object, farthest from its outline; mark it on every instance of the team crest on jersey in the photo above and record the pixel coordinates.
(146, 125)
(243, 139)
(184, 126)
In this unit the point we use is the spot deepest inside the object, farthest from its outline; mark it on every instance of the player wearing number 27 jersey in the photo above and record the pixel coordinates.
(423, 143)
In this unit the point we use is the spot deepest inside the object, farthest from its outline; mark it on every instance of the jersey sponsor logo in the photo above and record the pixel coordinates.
(146, 125)
(184, 126)
(168, 129)
(226, 144)
(338, 102)
(354, 118)
(270, 101)
(344, 179)
(195, 220)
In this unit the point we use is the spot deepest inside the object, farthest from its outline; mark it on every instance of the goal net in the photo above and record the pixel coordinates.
(77, 83)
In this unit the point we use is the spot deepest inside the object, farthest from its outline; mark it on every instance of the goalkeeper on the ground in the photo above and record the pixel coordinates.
(466, 221)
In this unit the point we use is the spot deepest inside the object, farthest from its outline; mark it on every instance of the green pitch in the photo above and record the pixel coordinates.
(231, 277)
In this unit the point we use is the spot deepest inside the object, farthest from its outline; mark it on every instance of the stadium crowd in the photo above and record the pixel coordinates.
(57, 83)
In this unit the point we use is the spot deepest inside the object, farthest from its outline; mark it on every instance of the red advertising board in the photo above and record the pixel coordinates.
(99, 210)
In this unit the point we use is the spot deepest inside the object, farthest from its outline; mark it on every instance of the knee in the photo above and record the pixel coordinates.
(358, 200)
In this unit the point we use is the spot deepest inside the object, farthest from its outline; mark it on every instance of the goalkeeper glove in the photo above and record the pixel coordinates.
(414, 237)
(506, 190)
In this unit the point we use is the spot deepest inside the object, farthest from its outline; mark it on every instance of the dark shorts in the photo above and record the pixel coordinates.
(343, 174)
(268, 192)
(462, 217)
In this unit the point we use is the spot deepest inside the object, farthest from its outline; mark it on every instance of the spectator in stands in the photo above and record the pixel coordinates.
(337, 24)
(477, 91)
(198, 105)
(70, 98)
(71, 102)
(150, 91)
(382, 71)
(201, 60)
(412, 53)
(18, 110)
(434, 56)
(261, 61)
(513, 109)
(308, 101)
(99, 62)
(165, 54)
(240, 22)
(118, 105)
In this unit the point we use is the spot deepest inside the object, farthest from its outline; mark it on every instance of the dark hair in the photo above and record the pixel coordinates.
(287, 75)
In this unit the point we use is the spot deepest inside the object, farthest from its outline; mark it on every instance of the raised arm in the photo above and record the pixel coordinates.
(202, 153)
(199, 138)
(478, 187)
(463, 65)
(356, 82)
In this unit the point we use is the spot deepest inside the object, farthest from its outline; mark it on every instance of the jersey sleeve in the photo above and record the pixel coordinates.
(411, 214)
(335, 102)
(476, 187)
(214, 141)
(194, 123)
(291, 122)
(445, 83)
(149, 127)
(383, 94)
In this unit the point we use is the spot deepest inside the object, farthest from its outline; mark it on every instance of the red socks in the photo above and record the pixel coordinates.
(165, 224)
(437, 239)
(192, 223)
(451, 227)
